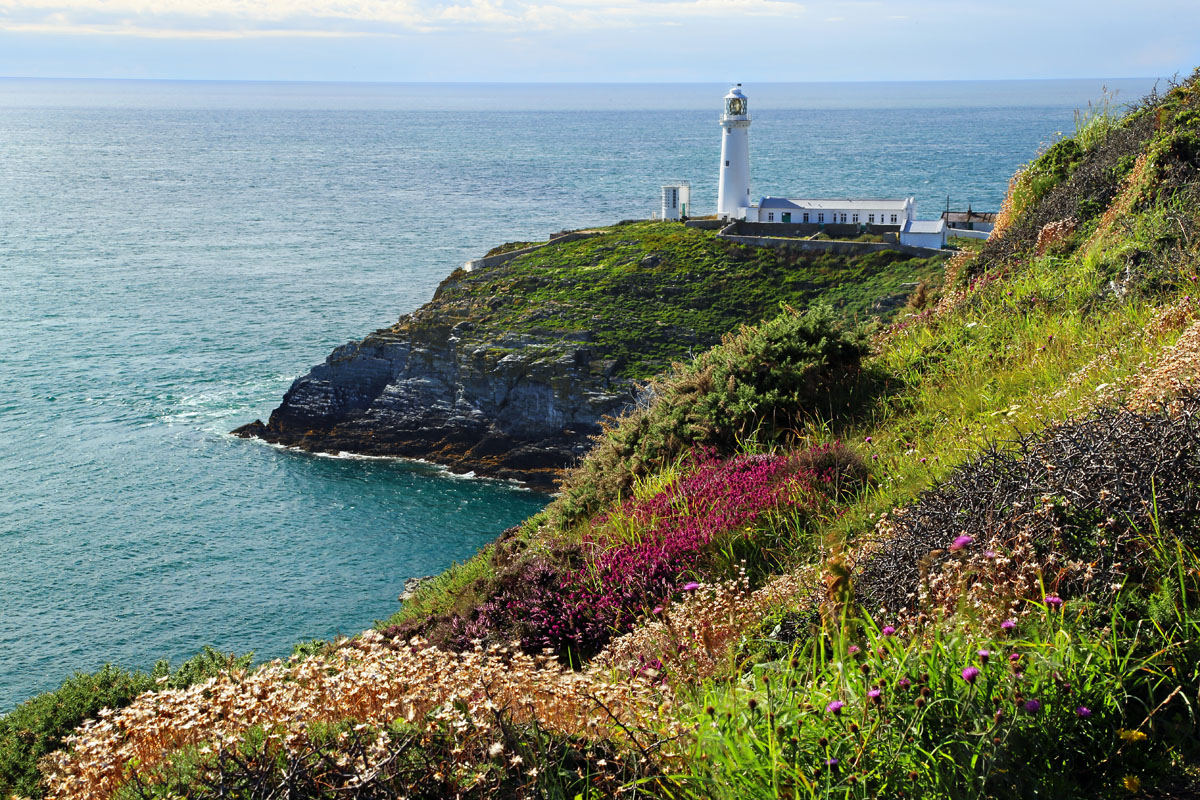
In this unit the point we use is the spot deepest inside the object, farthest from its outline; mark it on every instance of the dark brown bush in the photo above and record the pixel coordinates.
(1086, 489)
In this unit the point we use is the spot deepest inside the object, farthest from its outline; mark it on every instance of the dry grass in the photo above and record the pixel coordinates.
(367, 680)
(690, 641)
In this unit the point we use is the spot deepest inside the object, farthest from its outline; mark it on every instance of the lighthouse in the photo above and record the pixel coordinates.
(733, 189)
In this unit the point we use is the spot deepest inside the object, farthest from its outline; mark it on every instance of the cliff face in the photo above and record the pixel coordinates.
(520, 408)
(510, 368)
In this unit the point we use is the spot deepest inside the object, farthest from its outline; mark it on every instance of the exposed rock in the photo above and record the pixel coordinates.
(436, 394)
(410, 587)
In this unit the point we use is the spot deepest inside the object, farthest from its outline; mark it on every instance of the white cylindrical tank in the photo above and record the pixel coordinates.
(733, 188)
(676, 200)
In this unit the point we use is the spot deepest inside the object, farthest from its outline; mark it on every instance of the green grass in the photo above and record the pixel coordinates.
(1112, 709)
(642, 295)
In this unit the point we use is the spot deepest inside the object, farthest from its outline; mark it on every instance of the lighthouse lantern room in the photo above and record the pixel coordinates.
(733, 189)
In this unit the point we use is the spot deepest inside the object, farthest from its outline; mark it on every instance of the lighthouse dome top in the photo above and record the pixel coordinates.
(736, 104)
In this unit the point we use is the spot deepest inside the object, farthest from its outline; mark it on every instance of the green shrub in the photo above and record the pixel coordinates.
(761, 384)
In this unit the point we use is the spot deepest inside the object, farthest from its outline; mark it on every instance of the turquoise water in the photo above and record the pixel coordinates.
(173, 254)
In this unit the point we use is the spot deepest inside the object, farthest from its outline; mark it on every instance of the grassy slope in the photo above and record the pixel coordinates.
(651, 293)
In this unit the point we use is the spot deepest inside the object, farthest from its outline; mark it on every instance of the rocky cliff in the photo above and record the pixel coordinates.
(510, 368)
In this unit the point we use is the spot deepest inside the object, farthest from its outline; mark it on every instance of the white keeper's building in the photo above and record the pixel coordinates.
(734, 201)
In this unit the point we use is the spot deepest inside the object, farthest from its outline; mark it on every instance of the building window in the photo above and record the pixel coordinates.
(871, 219)
(771, 217)
(893, 219)
(806, 216)
(821, 218)
(843, 219)
(727, 163)
(854, 219)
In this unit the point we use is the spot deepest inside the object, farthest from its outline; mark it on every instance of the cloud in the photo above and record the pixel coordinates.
(324, 18)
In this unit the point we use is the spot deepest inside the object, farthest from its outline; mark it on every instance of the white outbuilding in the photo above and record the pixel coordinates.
(676, 200)
(924, 233)
(833, 211)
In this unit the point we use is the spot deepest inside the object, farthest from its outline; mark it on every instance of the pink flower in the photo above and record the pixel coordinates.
(835, 707)
(691, 587)
(1054, 601)
(1008, 625)
(970, 674)
(888, 630)
(961, 542)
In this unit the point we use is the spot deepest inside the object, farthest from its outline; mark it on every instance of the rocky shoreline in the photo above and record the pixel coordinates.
(422, 393)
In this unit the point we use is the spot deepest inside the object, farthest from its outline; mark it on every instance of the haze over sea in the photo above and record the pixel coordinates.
(173, 254)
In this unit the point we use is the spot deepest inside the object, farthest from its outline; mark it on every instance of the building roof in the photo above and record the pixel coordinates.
(969, 216)
(809, 204)
(924, 226)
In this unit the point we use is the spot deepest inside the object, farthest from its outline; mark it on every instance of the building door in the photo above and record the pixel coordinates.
(787, 216)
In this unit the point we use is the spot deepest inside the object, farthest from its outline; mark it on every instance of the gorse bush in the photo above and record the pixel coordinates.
(760, 384)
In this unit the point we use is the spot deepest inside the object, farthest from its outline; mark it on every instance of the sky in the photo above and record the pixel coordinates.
(597, 40)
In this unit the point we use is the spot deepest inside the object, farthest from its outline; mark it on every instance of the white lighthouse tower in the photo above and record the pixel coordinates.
(733, 190)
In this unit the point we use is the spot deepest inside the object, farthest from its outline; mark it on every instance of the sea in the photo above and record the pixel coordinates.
(174, 254)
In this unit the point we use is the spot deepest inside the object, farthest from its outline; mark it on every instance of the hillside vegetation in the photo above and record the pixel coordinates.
(950, 558)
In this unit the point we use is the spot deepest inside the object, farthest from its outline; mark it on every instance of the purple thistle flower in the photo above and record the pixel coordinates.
(657, 610)
(875, 696)
(970, 674)
(1008, 625)
(984, 654)
(835, 707)
(1054, 601)
(1032, 706)
(831, 762)
(867, 440)
(989, 554)
(852, 649)
(888, 630)
(961, 542)
(1083, 712)
(691, 587)
(904, 682)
